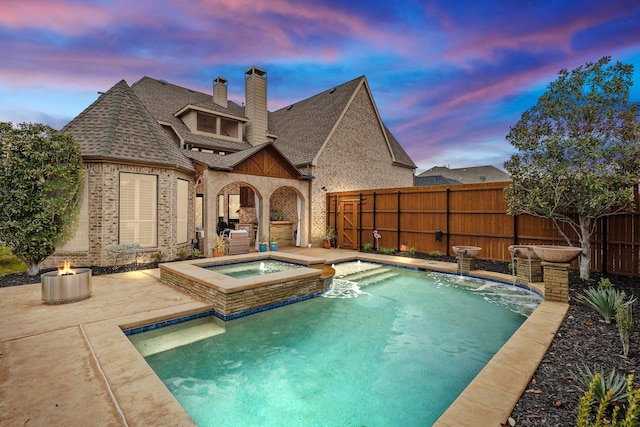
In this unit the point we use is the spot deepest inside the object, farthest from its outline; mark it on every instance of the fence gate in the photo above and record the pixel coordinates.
(348, 224)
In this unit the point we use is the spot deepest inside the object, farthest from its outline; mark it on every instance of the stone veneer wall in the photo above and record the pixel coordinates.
(285, 199)
(356, 157)
(528, 269)
(104, 184)
(556, 282)
(228, 304)
(465, 264)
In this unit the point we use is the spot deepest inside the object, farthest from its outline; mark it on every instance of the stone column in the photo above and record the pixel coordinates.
(556, 281)
(466, 263)
(528, 271)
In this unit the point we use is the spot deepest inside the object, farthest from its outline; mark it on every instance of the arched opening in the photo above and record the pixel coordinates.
(237, 209)
(285, 215)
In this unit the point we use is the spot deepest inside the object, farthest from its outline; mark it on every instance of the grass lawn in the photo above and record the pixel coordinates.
(9, 263)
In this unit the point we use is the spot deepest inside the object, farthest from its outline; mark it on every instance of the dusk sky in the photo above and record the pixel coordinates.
(449, 77)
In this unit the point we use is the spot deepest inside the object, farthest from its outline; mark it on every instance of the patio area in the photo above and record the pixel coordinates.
(72, 365)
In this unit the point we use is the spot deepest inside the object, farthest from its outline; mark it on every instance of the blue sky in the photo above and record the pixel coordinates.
(449, 77)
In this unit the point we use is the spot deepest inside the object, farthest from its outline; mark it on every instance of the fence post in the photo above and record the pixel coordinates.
(335, 223)
(398, 213)
(374, 211)
(360, 221)
(447, 221)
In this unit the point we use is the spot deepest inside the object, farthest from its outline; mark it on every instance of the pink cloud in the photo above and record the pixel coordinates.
(483, 42)
(57, 16)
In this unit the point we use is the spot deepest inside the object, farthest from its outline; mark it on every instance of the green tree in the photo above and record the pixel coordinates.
(40, 185)
(579, 152)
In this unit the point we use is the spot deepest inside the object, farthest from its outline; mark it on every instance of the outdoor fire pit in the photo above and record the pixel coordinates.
(66, 285)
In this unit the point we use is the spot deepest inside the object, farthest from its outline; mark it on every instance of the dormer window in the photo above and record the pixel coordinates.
(207, 123)
(219, 126)
(228, 128)
(212, 123)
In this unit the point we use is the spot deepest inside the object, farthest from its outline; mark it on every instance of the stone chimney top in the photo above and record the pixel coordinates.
(220, 91)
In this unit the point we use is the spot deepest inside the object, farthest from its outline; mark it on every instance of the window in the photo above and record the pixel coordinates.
(234, 208)
(207, 123)
(182, 211)
(80, 240)
(138, 209)
(228, 128)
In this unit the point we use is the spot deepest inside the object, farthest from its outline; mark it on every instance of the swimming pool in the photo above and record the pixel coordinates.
(395, 354)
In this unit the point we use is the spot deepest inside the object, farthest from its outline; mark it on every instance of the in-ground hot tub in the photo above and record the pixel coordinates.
(236, 297)
(66, 286)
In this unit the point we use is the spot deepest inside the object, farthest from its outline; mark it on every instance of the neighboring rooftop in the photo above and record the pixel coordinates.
(471, 175)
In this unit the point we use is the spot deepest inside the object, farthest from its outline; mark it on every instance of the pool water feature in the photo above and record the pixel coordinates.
(240, 270)
(397, 353)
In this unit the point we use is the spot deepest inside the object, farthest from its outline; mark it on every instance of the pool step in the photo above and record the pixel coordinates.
(371, 276)
(376, 278)
(178, 335)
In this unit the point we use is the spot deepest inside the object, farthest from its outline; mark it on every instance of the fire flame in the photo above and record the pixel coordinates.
(66, 269)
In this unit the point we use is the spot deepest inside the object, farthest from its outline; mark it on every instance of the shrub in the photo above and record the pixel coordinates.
(387, 251)
(41, 175)
(435, 253)
(624, 322)
(412, 250)
(124, 253)
(631, 416)
(158, 257)
(367, 247)
(182, 254)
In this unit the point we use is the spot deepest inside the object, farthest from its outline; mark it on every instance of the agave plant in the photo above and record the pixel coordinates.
(604, 300)
(614, 384)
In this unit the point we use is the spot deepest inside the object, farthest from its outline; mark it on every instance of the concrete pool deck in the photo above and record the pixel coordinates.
(71, 364)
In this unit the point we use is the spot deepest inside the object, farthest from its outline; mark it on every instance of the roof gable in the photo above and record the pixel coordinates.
(118, 127)
(305, 127)
(261, 160)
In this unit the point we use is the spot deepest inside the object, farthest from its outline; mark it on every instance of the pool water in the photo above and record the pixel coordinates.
(240, 270)
(395, 350)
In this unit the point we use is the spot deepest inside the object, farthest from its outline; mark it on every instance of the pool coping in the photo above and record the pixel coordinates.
(133, 394)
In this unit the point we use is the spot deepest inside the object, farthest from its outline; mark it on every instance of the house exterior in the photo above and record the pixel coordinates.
(167, 167)
(439, 175)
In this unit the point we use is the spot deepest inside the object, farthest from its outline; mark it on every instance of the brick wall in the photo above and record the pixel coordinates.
(104, 182)
(356, 157)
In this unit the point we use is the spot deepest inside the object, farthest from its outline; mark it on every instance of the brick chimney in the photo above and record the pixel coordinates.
(256, 105)
(220, 91)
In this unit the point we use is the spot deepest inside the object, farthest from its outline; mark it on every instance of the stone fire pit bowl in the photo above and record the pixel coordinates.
(66, 288)
(523, 251)
(471, 251)
(558, 254)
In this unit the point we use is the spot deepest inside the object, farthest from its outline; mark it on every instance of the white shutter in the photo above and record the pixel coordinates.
(138, 209)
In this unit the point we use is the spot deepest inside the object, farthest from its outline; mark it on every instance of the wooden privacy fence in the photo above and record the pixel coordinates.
(435, 218)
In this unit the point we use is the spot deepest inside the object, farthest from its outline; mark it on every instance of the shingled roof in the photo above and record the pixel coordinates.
(470, 175)
(226, 162)
(164, 100)
(302, 128)
(118, 127)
